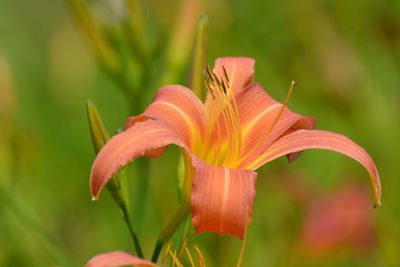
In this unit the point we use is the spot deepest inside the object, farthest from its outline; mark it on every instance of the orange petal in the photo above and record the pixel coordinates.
(134, 119)
(306, 123)
(313, 139)
(128, 145)
(182, 110)
(258, 113)
(222, 198)
(240, 71)
(118, 258)
(154, 153)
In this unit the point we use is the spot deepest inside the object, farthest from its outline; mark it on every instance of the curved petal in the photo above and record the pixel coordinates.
(258, 117)
(128, 145)
(153, 153)
(306, 123)
(118, 258)
(313, 139)
(181, 109)
(222, 198)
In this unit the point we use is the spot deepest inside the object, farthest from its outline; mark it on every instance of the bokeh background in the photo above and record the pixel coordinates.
(317, 211)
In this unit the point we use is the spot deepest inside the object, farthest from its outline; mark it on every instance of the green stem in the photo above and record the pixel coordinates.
(119, 199)
(170, 228)
(135, 238)
(141, 191)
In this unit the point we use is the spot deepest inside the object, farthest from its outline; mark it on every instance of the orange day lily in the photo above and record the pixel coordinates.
(238, 129)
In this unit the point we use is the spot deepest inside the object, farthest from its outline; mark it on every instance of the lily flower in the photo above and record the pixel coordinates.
(238, 129)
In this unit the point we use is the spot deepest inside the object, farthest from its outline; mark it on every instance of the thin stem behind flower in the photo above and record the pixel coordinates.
(135, 239)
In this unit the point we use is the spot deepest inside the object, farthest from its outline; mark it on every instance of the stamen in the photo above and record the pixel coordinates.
(167, 250)
(190, 257)
(234, 114)
(209, 72)
(175, 260)
(234, 131)
(292, 85)
(221, 90)
(223, 86)
(218, 83)
(200, 256)
(268, 132)
(226, 75)
(230, 129)
(218, 150)
(238, 128)
(207, 82)
(182, 248)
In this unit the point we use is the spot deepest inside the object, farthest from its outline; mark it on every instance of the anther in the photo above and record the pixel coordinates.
(217, 81)
(209, 72)
(225, 75)
(223, 86)
(209, 89)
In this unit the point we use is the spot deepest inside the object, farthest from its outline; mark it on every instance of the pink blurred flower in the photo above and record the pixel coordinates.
(340, 221)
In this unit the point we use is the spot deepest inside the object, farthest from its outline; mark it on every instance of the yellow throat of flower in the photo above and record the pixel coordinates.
(223, 144)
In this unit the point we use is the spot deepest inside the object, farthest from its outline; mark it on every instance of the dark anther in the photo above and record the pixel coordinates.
(225, 74)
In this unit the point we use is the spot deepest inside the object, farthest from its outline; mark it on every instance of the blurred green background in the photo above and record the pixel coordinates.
(345, 56)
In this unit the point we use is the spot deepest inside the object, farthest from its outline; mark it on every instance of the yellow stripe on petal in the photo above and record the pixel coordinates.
(255, 120)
